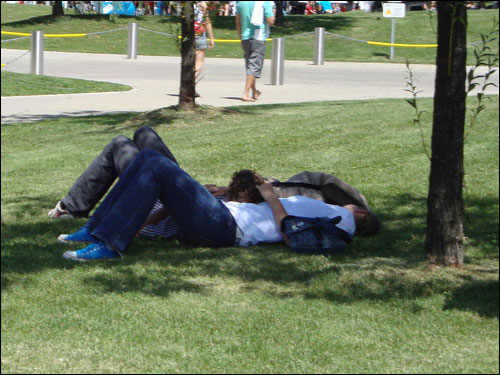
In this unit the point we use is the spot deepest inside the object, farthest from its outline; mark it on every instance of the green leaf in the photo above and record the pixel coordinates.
(412, 103)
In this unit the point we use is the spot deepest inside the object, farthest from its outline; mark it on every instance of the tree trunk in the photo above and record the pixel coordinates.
(279, 13)
(57, 9)
(187, 89)
(445, 232)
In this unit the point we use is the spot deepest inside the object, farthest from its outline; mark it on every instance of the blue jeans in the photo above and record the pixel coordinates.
(151, 176)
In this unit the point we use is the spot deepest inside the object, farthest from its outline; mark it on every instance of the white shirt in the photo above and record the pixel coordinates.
(257, 223)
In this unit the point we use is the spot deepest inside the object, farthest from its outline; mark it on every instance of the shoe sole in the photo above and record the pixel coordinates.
(62, 240)
(81, 260)
(74, 259)
(63, 216)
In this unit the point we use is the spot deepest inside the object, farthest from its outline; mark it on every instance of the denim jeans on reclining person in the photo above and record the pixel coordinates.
(151, 176)
(114, 159)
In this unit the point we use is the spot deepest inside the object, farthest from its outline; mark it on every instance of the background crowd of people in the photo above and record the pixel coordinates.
(228, 8)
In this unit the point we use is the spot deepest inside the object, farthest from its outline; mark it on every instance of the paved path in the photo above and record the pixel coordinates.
(155, 80)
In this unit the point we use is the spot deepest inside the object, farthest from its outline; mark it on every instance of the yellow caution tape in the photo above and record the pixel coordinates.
(227, 40)
(401, 45)
(47, 35)
(232, 40)
(13, 33)
(3, 65)
(80, 35)
(218, 40)
(64, 35)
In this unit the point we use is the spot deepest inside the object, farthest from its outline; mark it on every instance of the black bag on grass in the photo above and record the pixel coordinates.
(318, 235)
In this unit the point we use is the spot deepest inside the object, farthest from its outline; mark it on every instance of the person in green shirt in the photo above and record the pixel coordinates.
(253, 19)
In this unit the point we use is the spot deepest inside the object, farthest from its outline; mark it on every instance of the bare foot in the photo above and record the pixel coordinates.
(247, 99)
(257, 94)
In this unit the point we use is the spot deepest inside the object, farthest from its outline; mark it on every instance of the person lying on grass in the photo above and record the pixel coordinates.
(117, 155)
(253, 216)
(321, 186)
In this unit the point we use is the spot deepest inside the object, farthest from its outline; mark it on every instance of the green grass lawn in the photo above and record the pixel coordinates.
(416, 28)
(167, 307)
(14, 84)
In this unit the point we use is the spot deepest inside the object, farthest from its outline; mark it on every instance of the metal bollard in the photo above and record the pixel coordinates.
(132, 41)
(278, 61)
(319, 45)
(36, 53)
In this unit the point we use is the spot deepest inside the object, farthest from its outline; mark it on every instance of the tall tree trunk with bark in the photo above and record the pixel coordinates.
(187, 89)
(279, 13)
(57, 9)
(445, 230)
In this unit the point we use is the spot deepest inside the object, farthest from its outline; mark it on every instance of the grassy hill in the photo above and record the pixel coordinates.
(172, 308)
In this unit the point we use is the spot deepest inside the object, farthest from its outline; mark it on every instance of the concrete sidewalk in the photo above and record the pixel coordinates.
(155, 80)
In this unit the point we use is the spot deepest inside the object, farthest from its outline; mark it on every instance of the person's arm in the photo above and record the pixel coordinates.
(208, 24)
(269, 13)
(279, 212)
(154, 218)
(238, 24)
(217, 191)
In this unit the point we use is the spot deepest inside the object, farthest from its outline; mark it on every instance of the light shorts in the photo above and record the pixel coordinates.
(200, 41)
(254, 56)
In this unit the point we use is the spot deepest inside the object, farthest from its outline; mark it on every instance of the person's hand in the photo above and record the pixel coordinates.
(279, 212)
(138, 233)
(211, 44)
(221, 191)
(211, 188)
(217, 191)
(153, 218)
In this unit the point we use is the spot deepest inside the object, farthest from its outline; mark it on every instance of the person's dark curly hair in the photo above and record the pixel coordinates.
(243, 187)
(369, 225)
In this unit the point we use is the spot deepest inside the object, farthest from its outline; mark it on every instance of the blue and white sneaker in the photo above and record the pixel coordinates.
(82, 235)
(95, 251)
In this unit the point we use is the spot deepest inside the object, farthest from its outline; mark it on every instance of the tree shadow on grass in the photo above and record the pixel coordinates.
(402, 239)
(123, 121)
(50, 19)
(116, 123)
(476, 295)
(381, 54)
(109, 121)
(382, 268)
(17, 118)
(128, 280)
(292, 24)
(481, 225)
(480, 296)
(24, 208)
(402, 231)
(28, 244)
(153, 119)
(26, 250)
(163, 116)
